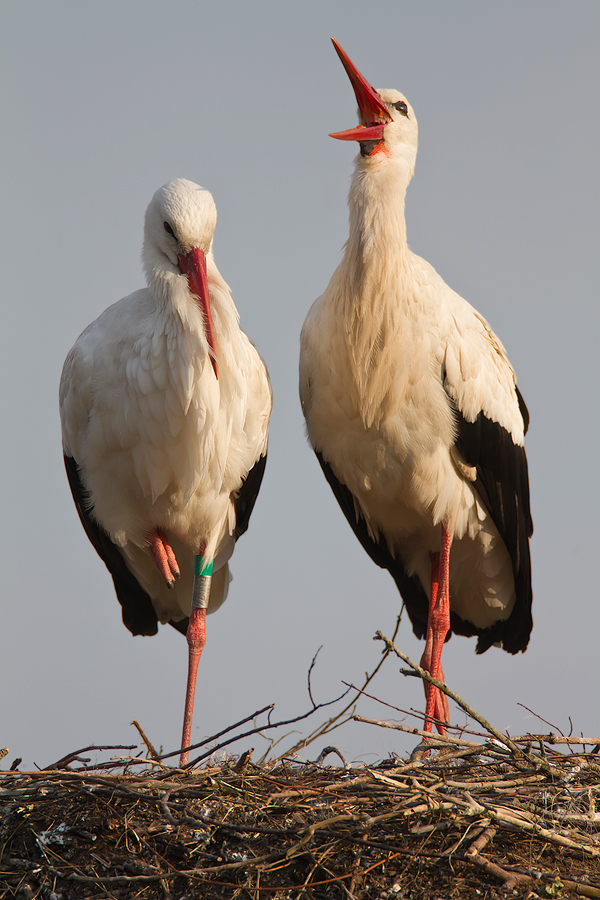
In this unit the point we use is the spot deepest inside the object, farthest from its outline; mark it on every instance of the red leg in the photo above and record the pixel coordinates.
(196, 638)
(438, 625)
(163, 556)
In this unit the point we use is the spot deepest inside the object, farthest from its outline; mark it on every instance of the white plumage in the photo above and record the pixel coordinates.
(165, 406)
(412, 407)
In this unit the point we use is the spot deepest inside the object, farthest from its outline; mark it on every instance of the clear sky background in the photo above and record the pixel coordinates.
(104, 102)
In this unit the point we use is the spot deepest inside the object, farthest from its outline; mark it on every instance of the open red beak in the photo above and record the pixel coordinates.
(193, 264)
(373, 111)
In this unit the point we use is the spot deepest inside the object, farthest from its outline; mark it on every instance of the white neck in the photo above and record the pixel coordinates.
(367, 286)
(377, 238)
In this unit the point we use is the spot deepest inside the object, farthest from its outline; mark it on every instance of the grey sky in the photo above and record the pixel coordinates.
(103, 103)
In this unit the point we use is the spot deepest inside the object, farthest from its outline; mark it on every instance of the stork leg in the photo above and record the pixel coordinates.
(164, 557)
(438, 625)
(196, 638)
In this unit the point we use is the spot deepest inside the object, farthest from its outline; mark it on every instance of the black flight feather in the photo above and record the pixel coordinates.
(503, 484)
(246, 496)
(409, 586)
(138, 613)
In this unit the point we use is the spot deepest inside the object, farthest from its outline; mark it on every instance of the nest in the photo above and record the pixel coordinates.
(475, 819)
(469, 820)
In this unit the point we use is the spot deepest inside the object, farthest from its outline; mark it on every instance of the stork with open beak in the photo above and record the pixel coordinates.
(165, 407)
(412, 409)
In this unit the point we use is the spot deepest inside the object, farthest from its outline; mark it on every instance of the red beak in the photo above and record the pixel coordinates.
(373, 111)
(193, 264)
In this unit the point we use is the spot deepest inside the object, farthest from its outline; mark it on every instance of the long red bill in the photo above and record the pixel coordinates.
(193, 264)
(373, 111)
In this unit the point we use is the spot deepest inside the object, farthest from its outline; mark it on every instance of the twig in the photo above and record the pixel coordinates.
(512, 878)
(435, 740)
(482, 840)
(541, 718)
(147, 741)
(309, 673)
(74, 756)
(426, 676)
(259, 729)
(509, 879)
(326, 751)
(553, 739)
(414, 713)
(244, 760)
(335, 722)
(219, 734)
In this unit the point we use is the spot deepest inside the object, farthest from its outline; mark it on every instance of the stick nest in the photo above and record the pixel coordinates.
(470, 820)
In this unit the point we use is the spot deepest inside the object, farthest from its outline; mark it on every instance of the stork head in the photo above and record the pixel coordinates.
(388, 127)
(178, 234)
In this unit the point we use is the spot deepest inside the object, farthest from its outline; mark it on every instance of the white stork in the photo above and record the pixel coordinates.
(413, 412)
(165, 406)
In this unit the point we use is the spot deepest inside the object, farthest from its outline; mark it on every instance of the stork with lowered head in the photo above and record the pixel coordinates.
(165, 407)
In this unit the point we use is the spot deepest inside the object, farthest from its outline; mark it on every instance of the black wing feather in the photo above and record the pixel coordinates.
(503, 484)
(409, 586)
(138, 613)
(246, 496)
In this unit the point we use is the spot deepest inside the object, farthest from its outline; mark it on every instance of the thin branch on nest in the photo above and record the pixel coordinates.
(433, 741)
(259, 729)
(214, 737)
(146, 740)
(512, 879)
(518, 752)
(460, 729)
(65, 761)
(337, 720)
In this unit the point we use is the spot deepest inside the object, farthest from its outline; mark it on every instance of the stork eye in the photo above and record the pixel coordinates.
(401, 107)
(168, 229)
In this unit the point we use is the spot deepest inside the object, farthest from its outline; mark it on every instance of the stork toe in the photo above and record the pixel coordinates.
(164, 557)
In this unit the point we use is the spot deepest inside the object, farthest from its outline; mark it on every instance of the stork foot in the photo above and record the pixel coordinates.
(164, 557)
(196, 638)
